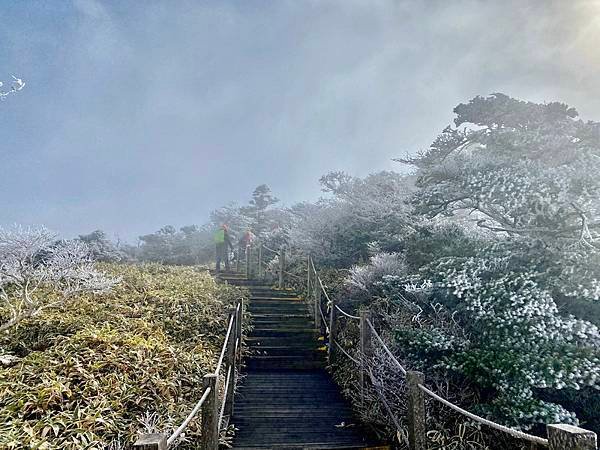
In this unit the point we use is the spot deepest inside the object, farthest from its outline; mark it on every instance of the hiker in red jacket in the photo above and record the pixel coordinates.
(245, 241)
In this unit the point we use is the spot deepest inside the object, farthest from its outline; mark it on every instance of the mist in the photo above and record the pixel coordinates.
(138, 115)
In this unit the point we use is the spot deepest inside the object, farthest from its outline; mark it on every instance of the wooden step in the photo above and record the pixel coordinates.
(284, 325)
(304, 446)
(286, 399)
(315, 356)
(274, 298)
(266, 399)
(282, 315)
(304, 350)
(260, 308)
(284, 364)
(293, 412)
(275, 301)
(281, 308)
(258, 291)
(299, 333)
(244, 282)
(277, 436)
(270, 341)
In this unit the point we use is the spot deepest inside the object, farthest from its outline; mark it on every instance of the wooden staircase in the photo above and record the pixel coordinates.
(287, 399)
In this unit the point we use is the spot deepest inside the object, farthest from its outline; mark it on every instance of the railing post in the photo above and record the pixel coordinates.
(366, 350)
(248, 272)
(317, 308)
(568, 437)
(333, 314)
(153, 441)
(210, 415)
(417, 430)
(281, 266)
(260, 263)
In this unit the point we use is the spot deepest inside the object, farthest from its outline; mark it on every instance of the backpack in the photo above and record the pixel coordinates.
(220, 236)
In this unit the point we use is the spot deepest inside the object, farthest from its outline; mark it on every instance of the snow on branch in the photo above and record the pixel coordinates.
(16, 85)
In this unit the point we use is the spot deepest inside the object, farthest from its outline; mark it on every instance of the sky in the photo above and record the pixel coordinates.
(138, 114)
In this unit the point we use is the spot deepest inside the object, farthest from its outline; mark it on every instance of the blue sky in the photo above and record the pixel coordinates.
(140, 114)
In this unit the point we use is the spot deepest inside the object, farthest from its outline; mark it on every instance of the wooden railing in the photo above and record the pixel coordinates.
(256, 257)
(216, 402)
(326, 315)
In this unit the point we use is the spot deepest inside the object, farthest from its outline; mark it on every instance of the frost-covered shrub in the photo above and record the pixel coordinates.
(380, 265)
(515, 339)
(33, 262)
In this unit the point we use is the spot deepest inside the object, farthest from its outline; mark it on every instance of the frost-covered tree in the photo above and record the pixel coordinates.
(232, 216)
(38, 272)
(527, 171)
(190, 245)
(101, 248)
(524, 175)
(258, 208)
(362, 216)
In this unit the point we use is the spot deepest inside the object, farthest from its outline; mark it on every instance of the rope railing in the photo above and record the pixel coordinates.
(511, 431)
(323, 290)
(388, 408)
(269, 249)
(324, 320)
(224, 401)
(344, 313)
(188, 419)
(212, 418)
(350, 357)
(386, 349)
(224, 348)
(417, 424)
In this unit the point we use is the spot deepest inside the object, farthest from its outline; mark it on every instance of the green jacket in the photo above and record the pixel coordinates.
(222, 237)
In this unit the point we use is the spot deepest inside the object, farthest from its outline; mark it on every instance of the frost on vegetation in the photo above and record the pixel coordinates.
(380, 265)
(74, 386)
(360, 218)
(502, 260)
(518, 339)
(39, 272)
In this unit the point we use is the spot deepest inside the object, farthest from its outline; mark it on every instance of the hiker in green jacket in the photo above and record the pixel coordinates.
(223, 244)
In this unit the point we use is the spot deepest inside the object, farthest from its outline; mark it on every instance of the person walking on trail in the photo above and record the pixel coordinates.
(223, 244)
(246, 240)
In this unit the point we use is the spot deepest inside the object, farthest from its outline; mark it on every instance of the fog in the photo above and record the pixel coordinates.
(139, 114)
